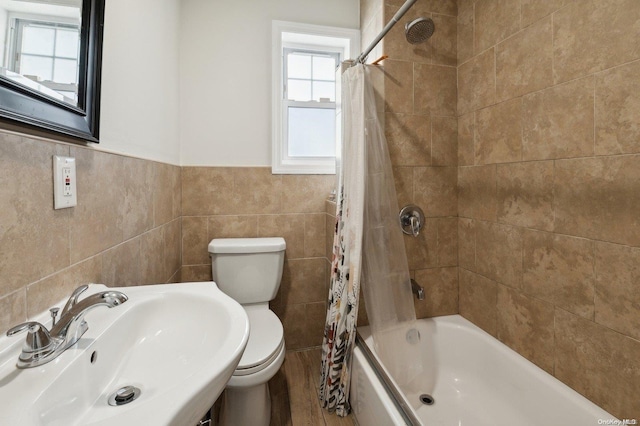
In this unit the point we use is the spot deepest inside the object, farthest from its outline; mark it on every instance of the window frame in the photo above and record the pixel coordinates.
(18, 22)
(303, 37)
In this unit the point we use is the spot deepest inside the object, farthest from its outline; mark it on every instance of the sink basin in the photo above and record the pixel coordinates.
(178, 343)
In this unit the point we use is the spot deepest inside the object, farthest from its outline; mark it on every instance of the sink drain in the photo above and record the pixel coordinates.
(124, 395)
(427, 399)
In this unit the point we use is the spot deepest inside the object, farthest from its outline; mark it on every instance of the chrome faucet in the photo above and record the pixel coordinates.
(417, 289)
(42, 345)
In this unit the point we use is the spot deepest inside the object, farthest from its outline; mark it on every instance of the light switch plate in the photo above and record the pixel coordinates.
(64, 182)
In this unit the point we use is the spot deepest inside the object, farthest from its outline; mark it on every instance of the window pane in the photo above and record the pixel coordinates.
(38, 40)
(34, 65)
(67, 43)
(298, 66)
(299, 90)
(311, 132)
(324, 68)
(65, 71)
(322, 89)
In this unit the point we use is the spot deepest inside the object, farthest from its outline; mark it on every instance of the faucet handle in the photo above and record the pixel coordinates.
(38, 338)
(73, 299)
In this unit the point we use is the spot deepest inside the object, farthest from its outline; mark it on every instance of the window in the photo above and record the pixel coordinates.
(305, 62)
(47, 52)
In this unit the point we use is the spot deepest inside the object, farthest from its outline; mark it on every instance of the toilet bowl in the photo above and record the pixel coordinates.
(249, 270)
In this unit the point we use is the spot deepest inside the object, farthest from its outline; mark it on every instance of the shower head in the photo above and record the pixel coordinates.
(419, 30)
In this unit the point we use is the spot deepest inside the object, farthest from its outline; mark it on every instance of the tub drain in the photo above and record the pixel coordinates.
(124, 395)
(427, 399)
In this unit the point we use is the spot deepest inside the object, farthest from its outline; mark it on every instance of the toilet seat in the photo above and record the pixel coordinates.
(266, 339)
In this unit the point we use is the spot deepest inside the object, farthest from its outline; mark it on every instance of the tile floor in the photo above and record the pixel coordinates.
(294, 393)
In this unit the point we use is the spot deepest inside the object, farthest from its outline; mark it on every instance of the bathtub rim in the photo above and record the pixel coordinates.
(405, 411)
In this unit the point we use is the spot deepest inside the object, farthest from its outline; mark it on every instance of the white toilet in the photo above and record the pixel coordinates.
(249, 270)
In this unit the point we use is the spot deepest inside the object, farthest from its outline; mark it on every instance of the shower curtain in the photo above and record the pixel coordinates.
(368, 248)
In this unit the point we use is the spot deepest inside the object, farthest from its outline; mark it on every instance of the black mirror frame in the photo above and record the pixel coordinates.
(29, 107)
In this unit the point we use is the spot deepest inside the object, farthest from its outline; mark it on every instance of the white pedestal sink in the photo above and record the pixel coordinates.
(178, 343)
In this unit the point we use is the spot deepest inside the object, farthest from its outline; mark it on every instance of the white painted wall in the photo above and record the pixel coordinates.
(140, 80)
(225, 74)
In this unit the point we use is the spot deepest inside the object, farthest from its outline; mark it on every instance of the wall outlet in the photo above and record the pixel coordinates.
(64, 182)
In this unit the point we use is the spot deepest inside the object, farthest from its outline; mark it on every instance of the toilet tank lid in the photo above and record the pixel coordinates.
(246, 245)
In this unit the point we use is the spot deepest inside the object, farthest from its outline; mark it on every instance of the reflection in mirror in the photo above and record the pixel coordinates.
(40, 46)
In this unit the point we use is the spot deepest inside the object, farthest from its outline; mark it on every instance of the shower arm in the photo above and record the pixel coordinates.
(399, 14)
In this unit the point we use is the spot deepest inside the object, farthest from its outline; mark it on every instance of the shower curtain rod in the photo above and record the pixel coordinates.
(399, 14)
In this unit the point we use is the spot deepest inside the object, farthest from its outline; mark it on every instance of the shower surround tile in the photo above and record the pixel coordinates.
(560, 270)
(494, 21)
(564, 233)
(610, 358)
(524, 61)
(409, 139)
(435, 190)
(478, 300)
(477, 192)
(443, 43)
(598, 198)
(593, 35)
(444, 143)
(499, 133)
(617, 297)
(558, 122)
(466, 140)
(525, 194)
(477, 83)
(467, 244)
(435, 89)
(499, 253)
(398, 86)
(465, 19)
(440, 292)
(617, 106)
(533, 10)
(448, 241)
(526, 325)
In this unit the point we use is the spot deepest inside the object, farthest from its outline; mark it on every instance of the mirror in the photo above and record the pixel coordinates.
(50, 58)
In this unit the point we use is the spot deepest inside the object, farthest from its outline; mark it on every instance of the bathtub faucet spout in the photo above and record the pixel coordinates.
(417, 289)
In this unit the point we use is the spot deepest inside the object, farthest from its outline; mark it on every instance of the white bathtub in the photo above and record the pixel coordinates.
(474, 379)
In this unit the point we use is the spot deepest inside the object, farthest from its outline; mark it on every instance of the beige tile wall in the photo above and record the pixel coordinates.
(234, 202)
(549, 184)
(119, 235)
(419, 91)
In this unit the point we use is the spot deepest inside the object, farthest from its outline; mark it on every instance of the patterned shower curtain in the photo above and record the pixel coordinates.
(346, 264)
(368, 250)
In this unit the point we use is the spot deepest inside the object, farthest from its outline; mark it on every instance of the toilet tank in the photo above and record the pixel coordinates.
(248, 270)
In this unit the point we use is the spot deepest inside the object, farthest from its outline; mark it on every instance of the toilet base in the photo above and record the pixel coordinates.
(246, 406)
